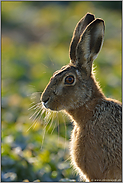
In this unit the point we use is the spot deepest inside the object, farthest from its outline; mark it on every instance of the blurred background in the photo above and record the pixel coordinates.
(35, 42)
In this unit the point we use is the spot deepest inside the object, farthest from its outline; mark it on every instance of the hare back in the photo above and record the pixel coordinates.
(96, 146)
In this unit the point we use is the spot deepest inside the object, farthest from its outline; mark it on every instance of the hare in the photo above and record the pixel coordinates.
(96, 138)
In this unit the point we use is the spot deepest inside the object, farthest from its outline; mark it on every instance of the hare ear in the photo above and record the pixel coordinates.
(90, 44)
(80, 27)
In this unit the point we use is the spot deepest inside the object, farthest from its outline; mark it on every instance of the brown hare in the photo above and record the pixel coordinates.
(96, 138)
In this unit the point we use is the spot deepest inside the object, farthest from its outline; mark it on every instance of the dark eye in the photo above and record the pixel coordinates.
(69, 80)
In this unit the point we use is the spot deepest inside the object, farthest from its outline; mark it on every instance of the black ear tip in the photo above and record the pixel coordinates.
(99, 20)
(90, 16)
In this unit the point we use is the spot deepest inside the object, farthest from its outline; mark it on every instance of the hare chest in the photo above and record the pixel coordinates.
(86, 154)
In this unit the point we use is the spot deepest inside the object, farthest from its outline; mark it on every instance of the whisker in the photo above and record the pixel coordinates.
(68, 159)
(38, 112)
(53, 128)
(35, 113)
(43, 111)
(50, 124)
(34, 123)
(31, 126)
(39, 118)
(32, 103)
(36, 105)
(47, 122)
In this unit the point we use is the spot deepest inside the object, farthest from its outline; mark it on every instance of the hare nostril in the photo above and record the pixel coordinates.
(45, 101)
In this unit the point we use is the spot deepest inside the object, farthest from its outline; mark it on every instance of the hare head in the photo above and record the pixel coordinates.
(73, 85)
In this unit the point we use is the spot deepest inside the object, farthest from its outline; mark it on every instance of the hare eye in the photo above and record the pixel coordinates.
(69, 80)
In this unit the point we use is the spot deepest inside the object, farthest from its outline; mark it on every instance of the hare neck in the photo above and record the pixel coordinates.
(84, 113)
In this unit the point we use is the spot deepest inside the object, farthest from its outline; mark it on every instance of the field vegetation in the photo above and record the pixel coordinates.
(35, 43)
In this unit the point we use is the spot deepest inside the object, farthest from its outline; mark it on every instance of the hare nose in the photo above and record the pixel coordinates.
(45, 101)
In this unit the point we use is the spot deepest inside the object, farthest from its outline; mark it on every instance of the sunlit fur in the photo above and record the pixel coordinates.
(96, 139)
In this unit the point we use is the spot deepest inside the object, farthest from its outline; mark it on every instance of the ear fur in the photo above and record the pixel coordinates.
(90, 44)
(80, 27)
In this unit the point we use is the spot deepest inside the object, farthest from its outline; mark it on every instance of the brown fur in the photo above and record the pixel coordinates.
(96, 139)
